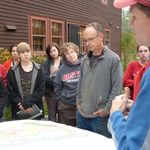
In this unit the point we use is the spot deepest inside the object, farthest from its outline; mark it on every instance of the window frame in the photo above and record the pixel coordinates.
(77, 24)
(107, 39)
(48, 32)
(50, 27)
(31, 33)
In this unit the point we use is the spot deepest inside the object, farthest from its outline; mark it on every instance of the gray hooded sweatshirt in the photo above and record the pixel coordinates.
(65, 84)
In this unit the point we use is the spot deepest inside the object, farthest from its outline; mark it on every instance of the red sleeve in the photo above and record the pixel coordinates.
(128, 80)
(7, 64)
(3, 74)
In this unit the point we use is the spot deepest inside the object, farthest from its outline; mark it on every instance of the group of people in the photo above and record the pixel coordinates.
(78, 91)
(85, 92)
(28, 82)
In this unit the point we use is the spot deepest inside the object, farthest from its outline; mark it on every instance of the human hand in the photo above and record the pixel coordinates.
(121, 103)
(101, 112)
(29, 110)
(129, 104)
(54, 69)
(78, 105)
(21, 107)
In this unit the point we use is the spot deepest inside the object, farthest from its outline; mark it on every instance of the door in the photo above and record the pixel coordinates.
(74, 34)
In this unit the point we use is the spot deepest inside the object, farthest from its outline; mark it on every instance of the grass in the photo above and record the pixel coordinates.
(7, 111)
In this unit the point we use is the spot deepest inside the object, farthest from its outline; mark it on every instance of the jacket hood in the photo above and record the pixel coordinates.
(70, 64)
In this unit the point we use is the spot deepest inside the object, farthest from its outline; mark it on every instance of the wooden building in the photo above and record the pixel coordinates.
(40, 22)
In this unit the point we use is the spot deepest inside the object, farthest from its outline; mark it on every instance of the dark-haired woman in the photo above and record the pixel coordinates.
(14, 59)
(51, 67)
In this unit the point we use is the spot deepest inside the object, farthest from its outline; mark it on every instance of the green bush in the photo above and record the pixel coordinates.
(4, 55)
(39, 59)
(128, 48)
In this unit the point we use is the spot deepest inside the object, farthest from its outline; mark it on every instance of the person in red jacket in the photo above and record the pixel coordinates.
(14, 59)
(3, 90)
(134, 67)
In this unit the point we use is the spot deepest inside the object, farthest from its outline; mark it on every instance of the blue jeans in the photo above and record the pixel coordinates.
(97, 125)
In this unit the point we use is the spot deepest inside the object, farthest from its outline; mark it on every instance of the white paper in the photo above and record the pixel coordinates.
(44, 135)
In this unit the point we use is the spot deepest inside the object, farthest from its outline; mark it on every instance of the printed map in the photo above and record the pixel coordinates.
(30, 134)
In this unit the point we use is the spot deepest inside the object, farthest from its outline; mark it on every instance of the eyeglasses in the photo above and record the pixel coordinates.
(90, 39)
(145, 51)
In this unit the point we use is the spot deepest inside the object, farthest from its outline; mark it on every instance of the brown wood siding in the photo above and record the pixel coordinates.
(17, 12)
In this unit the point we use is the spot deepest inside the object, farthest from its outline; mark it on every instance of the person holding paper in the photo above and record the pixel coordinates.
(26, 83)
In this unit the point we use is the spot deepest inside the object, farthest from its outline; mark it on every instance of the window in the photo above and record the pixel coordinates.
(45, 31)
(57, 31)
(107, 38)
(75, 35)
(82, 48)
(105, 2)
(39, 34)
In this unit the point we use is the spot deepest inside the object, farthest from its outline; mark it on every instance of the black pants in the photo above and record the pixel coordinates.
(52, 107)
(3, 102)
(66, 113)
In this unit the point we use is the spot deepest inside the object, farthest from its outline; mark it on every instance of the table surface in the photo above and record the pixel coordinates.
(27, 134)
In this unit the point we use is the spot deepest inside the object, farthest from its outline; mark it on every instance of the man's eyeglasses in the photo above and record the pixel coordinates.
(90, 39)
(145, 51)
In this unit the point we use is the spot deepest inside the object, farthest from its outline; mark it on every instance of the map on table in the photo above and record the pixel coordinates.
(27, 134)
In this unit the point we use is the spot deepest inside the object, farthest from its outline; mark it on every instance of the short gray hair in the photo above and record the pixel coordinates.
(98, 27)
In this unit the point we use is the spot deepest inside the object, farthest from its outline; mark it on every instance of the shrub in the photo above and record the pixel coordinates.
(4, 55)
(128, 48)
(39, 59)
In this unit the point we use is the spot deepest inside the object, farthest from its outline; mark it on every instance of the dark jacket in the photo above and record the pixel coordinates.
(15, 88)
(49, 80)
(65, 83)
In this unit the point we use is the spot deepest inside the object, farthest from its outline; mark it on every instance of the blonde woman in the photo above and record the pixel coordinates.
(65, 84)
